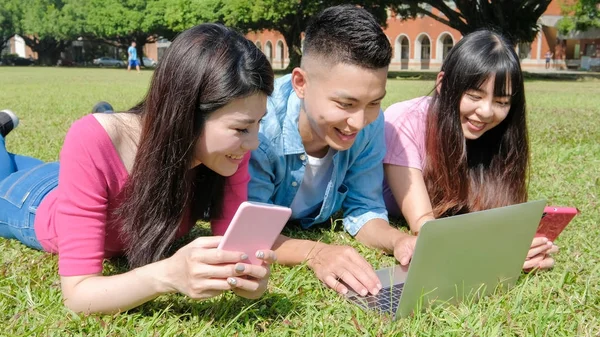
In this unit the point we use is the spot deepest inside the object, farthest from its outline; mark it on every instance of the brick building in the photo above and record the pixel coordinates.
(422, 43)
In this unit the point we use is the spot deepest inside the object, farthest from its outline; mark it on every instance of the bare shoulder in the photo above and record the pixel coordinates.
(123, 130)
(119, 126)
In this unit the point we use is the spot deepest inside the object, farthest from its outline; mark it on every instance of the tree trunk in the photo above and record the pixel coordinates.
(294, 42)
(140, 42)
(48, 49)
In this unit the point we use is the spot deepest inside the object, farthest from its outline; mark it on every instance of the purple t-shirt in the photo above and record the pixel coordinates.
(405, 126)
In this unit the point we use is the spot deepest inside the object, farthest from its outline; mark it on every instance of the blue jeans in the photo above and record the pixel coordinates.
(24, 182)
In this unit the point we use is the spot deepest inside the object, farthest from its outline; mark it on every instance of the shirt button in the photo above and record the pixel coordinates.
(294, 183)
(302, 157)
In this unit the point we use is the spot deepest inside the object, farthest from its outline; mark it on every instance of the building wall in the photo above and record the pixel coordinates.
(419, 33)
(151, 50)
(16, 45)
(273, 45)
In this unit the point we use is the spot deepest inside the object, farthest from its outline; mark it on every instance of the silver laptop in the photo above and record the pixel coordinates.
(457, 258)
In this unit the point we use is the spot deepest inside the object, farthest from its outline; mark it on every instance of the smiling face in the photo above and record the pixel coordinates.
(481, 111)
(230, 133)
(338, 101)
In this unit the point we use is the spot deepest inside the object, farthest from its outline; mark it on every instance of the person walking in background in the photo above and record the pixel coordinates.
(548, 56)
(132, 58)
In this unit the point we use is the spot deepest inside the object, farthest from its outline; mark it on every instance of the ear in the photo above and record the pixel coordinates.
(299, 81)
(438, 81)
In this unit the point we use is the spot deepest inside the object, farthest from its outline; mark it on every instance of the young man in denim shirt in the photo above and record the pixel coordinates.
(322, 146)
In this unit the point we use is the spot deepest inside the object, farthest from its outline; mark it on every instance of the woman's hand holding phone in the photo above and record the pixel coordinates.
(539, 255)
(199, 270)
(255, 283)
(553, 222)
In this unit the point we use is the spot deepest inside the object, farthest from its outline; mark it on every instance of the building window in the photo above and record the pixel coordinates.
(269, 50)
(425, 48)
(447, 45)
(405, 49)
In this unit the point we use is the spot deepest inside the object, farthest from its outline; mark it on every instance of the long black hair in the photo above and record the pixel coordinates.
(205, 68)
(469, 175)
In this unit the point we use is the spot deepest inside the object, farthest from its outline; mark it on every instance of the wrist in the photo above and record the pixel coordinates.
(157, 276)
(311, 250)
(398, 237)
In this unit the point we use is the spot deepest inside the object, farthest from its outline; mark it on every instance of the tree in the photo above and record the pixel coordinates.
(517, 20)
(46, 29)
(119, 23)
(580, 16)
(9, 19)
(289, 17)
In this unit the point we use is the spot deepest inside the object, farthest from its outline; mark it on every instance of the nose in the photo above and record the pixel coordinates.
(357, 120)
(484, 110)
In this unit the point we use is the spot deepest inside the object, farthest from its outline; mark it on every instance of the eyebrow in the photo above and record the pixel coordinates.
(353, 99)
(249, 120)
(482, 91)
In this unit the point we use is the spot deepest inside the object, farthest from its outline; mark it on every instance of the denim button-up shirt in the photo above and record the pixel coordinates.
(277, 165)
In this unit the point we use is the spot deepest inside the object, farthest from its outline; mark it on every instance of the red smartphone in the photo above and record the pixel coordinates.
(254, 226)
(554, 220)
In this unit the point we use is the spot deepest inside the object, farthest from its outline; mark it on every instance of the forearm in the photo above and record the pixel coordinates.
(117, 293)
(377, 233)
(291, 252)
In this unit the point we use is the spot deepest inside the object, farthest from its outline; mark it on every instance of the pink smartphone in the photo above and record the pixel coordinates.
(554, 220)
(254, 226)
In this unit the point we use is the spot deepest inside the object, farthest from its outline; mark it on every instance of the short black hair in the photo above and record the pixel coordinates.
(348, 34)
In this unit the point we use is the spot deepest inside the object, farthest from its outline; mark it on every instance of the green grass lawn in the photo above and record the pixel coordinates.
(564, 122)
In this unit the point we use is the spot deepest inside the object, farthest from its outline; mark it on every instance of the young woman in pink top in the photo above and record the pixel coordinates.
(131, 183)
(465, 148)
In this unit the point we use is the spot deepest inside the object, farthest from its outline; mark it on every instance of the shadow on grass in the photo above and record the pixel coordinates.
(221, 310)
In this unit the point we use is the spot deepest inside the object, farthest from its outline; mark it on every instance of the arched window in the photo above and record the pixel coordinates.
(447, 45)
(269, 50)
(425, 48)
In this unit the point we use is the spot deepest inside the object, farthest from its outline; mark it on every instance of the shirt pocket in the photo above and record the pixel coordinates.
(28, 187)
(339, 197)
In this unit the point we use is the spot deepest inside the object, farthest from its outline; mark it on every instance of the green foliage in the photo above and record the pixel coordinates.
(580, 15)
(180, 15)
(516, 19)
(10, 17)
(564, 124)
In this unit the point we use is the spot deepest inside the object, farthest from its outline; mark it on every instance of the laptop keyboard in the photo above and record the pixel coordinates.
(386, 301)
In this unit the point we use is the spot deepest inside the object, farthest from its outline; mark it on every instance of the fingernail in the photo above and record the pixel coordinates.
(260, 254)
(231, 281)
(379, 286)
(239, 268)
(549, 243)
(274, 257)
(363, 292)
(244, 256)
(374, 291)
